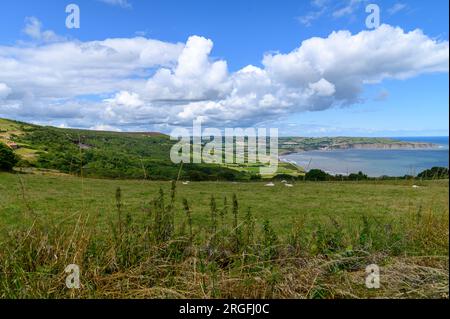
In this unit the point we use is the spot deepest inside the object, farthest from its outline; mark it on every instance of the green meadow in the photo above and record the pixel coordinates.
(150, 239)
(59, 197)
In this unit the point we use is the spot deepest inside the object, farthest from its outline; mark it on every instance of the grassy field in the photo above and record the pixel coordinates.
(313, 240)
(9, 130)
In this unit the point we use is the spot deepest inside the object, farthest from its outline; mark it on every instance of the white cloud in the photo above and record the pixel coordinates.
(396, 8)
(330, 9)
(33, 28)
(319, 3)
(71, 68)
(349, 61)
(310, 17)
(195, 77)
(103, 127)
(323, 88)
(134, 83)
(349, 8)
(127, 99)
(321, 7)
(118, 3)
(4, 91)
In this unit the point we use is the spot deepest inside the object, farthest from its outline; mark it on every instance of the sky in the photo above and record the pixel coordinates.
(309, 68)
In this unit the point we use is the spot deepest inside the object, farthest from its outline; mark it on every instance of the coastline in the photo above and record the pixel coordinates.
(373, 160)
(367, 146)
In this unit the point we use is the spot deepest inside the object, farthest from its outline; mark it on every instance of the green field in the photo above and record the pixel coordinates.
(317, 239)
(58, 197)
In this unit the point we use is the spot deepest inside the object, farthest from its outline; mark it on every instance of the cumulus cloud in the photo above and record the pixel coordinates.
(323, 88)
(72, 68)
(126, 99)
(4, 91)
(348, 61)
(33, 28)
(195, 77)
(136, 83)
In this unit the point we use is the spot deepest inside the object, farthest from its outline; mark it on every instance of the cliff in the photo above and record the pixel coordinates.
(382, 146)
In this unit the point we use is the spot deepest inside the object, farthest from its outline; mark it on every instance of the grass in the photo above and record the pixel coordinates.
(61, 196)
(150, 240)
(10, 129)
(283, 168)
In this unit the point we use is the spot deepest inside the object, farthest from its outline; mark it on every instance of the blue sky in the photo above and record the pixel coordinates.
(242, 33)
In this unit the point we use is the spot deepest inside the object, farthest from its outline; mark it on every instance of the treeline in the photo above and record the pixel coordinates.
(319, 175)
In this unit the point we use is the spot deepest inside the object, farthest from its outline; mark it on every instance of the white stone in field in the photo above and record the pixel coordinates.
(288, 185)
(415, 186)
(270, 185)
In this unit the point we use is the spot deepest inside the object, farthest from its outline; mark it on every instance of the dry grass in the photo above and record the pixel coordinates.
(136, 263)
(154, 257)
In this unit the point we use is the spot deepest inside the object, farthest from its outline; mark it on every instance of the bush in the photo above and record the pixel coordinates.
(316, 175)
(7, 158)
(434, 173)
(357, 177)
(286, 177)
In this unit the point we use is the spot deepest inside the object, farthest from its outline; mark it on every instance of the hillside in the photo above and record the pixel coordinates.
(104, 154)
(137, 155)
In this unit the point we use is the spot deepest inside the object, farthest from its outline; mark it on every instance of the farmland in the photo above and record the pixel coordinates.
(313, 240)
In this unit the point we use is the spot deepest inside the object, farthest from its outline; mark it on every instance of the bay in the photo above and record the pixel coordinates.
(377, 162)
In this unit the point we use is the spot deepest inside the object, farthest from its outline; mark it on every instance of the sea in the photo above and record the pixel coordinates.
(377, 162)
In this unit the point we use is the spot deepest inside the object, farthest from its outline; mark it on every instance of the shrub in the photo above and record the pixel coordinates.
(7, 158)
(269, 241)
(434, 173)
(316, 175)
(357, 177)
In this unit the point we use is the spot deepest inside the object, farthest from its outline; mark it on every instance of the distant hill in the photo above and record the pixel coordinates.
(136, 155)
(300, 144)
(105, 154)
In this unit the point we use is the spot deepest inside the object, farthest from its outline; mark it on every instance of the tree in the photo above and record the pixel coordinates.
(434, 173)
(316, 175)
(7, 158)
(357, 177)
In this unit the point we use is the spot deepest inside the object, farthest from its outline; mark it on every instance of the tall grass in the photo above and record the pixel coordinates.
(146, 255)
